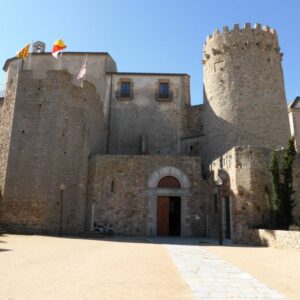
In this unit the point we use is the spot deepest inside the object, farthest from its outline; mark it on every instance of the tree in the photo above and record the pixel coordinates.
(275, 198)
(287, 202)
(282, 202)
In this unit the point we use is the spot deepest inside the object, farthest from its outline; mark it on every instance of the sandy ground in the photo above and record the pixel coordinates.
(278, 268)
(38, 267)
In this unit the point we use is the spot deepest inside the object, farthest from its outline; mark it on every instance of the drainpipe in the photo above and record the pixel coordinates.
(93, 216)
(109, 116)
(207, 230)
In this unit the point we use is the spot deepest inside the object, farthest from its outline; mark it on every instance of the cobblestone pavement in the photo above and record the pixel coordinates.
(210, 277)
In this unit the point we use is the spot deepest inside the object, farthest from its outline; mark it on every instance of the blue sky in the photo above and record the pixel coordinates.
(148, 35)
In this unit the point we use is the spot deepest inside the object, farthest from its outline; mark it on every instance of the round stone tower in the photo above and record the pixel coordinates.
(244, 96)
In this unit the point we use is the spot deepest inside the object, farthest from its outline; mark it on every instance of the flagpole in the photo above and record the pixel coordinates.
(84, 77)
(60, 58)
(29, 63)
(85, 66)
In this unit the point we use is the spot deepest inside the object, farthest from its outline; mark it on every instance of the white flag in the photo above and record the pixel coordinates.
(82, 72)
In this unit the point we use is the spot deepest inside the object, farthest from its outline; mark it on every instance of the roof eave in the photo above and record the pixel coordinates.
(7, 62)
(147, 74)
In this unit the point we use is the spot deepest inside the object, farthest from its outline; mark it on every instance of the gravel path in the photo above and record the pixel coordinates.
(39, 267)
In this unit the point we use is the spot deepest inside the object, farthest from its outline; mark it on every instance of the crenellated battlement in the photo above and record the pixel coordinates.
(262, 37)
(246, 29)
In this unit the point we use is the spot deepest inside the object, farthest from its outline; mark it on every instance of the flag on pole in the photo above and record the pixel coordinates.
(82, 71)
(24, 52)
(58, 46)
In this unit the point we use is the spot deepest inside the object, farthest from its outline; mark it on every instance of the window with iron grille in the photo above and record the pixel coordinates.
(163, 90)
(125, 90)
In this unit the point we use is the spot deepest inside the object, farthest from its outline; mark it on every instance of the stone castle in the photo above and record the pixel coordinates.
(129, 149)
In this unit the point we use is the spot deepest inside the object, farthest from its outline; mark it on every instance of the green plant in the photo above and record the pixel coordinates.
(275, 192)
(287, 202)
(281, 200)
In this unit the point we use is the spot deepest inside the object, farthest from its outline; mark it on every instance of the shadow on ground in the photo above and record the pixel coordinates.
(4, 250)
(187, 241)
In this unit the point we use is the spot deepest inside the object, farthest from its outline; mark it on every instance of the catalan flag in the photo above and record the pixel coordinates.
(24, 52)
(58, 46)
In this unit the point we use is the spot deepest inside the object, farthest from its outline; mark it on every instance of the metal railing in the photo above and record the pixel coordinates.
(2, 94)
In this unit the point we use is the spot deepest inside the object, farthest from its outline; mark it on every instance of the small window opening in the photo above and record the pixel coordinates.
(125, 90)
(164, 90)
(112, 186)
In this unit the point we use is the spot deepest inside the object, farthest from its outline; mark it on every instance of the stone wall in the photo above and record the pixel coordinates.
(143, 118)
(294, 118)
(244, 96)
(192, 139)
(296, 186)
(7, 111)
(97, 65)
(54, 129)
(123, 192)
(247, 181)
(274, 238)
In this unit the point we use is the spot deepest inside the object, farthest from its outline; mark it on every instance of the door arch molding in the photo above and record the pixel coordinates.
(154, 192)
(157, 175)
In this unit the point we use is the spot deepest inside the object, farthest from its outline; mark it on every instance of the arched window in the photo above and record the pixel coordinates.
(169, 182)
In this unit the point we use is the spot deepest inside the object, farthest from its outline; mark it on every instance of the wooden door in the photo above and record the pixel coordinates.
(163, 215)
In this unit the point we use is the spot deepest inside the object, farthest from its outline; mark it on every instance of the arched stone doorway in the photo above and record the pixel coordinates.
(169, 209)
(169, 189)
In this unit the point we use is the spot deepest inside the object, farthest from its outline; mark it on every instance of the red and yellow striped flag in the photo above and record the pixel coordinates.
(58, 46)
(24, 52)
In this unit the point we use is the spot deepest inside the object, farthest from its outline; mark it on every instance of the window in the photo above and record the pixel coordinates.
(125, 90)
(163, 90)
(112, 186)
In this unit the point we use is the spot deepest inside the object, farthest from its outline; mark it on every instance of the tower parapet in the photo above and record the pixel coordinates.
(261, 37)
(244, 94)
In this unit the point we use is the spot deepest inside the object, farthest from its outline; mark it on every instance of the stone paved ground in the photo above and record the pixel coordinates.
(210, 277)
